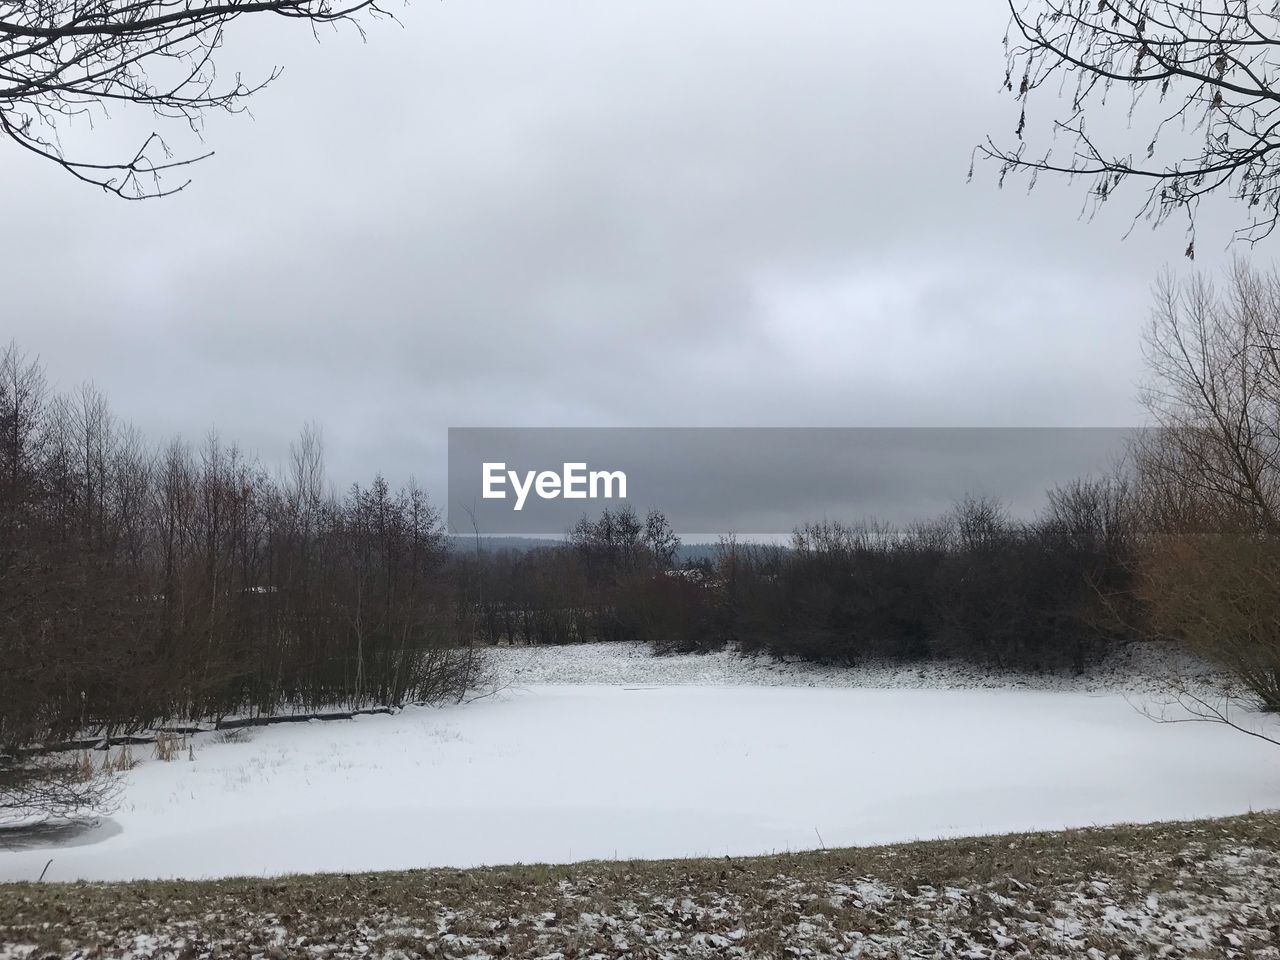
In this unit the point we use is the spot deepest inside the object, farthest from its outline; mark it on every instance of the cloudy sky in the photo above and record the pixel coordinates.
(569, 213)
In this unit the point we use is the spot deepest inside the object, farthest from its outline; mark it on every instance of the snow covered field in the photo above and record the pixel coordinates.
(1136, 668)
(575, 771)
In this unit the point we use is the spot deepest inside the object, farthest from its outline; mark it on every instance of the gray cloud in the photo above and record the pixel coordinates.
(566, 213)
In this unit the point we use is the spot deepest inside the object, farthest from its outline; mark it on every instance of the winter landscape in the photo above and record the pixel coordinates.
(697, 759)
(605, 754)
(642, 480)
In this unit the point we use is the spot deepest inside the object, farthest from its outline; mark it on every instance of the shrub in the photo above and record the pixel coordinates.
(1220, 594)
(55, 787)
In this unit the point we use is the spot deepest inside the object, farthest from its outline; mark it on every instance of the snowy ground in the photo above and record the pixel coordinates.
(1183, 890)
(1136, 668)
(559, 773)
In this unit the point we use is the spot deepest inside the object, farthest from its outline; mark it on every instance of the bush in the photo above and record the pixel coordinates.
(56, 787)
(973, 586)
(1051, 594)
(1220, 594)
(673, 612)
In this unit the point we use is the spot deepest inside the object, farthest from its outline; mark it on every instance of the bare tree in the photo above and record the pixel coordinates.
(1214, 392)
(142, 586)
(61, 59)
(1209, 476)
(1198, 78)
(22, 396)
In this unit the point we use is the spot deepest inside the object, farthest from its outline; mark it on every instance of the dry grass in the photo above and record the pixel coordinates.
(167, 746)
(233, 735)
(119, 760)
(1197, 889)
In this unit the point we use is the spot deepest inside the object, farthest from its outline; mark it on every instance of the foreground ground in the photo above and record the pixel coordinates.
(1193, 889)
(559, 774)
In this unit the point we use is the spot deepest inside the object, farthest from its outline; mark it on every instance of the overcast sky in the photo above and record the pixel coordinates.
(591, 213)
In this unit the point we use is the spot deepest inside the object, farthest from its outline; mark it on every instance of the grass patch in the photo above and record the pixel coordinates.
(1207, 888)
(233, 735)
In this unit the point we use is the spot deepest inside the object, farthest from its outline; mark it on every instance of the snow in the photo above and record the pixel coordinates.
(560, 773)
(1137, 667)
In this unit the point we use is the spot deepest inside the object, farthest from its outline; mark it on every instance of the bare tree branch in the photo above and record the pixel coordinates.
(1201, 706)
(42, 789)
(1202, 73)
(66, 59)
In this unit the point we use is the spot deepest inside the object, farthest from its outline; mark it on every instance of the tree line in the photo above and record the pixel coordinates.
(140, 585)
(975, 585)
